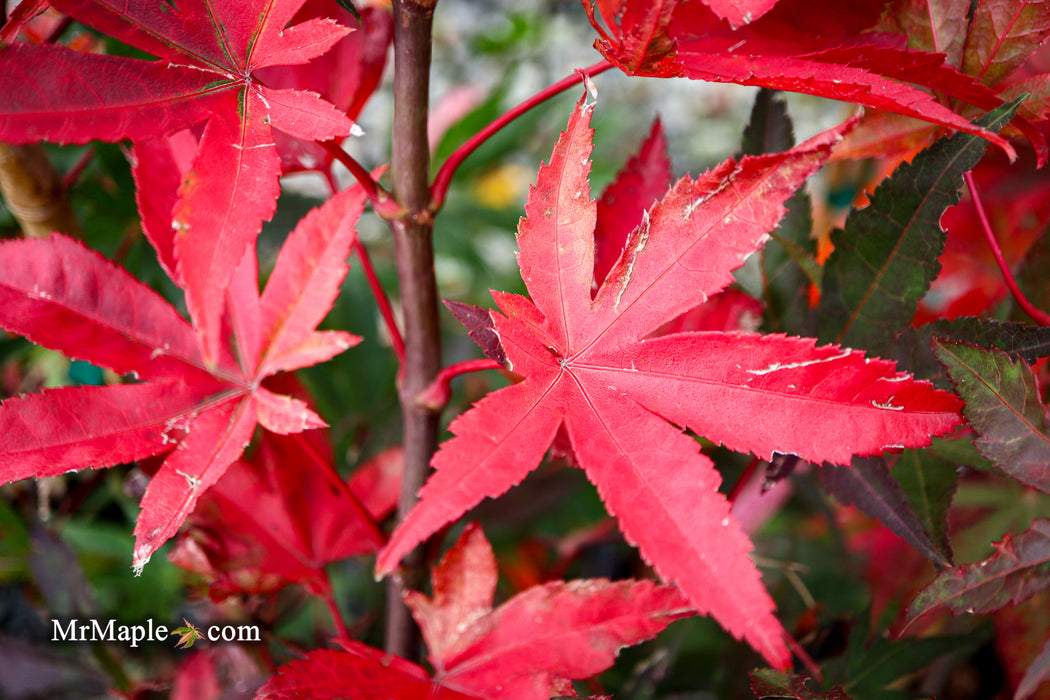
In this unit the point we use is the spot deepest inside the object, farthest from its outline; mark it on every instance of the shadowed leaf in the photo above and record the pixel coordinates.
(1003, 405)
(929, 484)
(868, 485)
(780, 274)
(767, 683)
(914, 352)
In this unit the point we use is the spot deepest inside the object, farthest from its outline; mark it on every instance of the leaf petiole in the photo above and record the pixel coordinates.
(1038, 315)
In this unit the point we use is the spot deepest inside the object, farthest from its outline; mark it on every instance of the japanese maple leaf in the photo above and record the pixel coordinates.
(991, 43)
(64, 296)
(819, 49)
(209, 52)
(529, 648)
(264, 525)
(346, 76)
(589, 367)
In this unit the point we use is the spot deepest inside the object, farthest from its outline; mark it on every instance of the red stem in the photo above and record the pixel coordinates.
(382, 301)
(749, 471)
(436, 395)
(333, 608)
(444, 176)
(383, 204)
(1040, 317)
(74, 173)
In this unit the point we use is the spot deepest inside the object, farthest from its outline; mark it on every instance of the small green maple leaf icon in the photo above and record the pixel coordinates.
(188, 635)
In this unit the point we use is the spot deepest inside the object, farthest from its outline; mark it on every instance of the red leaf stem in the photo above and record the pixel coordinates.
(749, 471)
(333, 607)
(437, 394)
(382, 301)
(1040, 316)
(73, 174)
(382, 202)
(448, 169)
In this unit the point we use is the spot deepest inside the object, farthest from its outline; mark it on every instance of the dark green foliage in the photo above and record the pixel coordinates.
(886, 256)
(868, 484)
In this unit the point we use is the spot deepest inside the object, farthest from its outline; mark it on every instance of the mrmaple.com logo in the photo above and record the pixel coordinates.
(90, 630)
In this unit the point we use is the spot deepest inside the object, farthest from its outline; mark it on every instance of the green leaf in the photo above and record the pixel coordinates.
(929, 484)
(874, 664)
(1003, 405)
(1019, 569)
(886, 257)
(767, 683)
(781, 273)
(868, 484)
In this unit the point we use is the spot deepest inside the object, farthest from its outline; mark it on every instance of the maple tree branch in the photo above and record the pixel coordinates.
(448, 169)
(382, 301)
(1038, 315)
(34, 191)
(413, 241)
(437, 394)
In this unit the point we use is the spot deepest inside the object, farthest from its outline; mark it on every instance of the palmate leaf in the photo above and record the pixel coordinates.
(1019, 569)
(64, 296)
(987, 41)
(590, 367)
(1003, 405)
(528, 648)
(264, 525)
(819, 49)
(886, 256)
(208, 53)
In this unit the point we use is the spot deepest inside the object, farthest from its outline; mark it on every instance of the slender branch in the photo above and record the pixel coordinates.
(385, 310)
(413, 233)
(437, 394)
(444, 176)
(383, 204)
(1040, 316)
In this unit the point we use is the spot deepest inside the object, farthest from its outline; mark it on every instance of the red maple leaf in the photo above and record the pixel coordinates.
(346, 76)
(209, 53)
(529, 648)
(590, 367)
(992, 43)
(64, 296)
(795, 45)
(266, 525)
